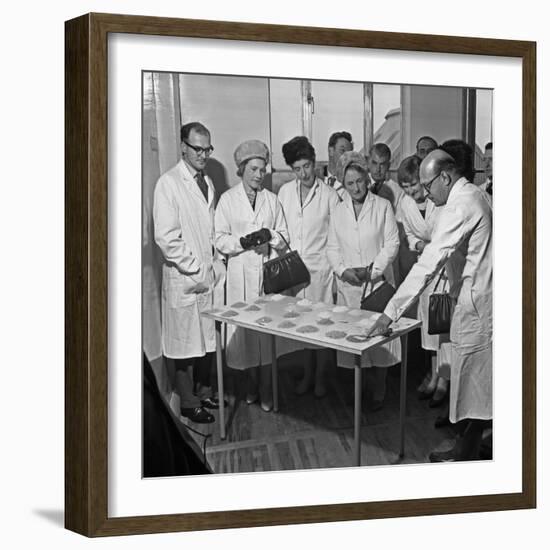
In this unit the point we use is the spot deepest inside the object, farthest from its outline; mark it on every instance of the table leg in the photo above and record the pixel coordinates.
(274, 375)
(219, 371)
(403, 395)
(357, 414)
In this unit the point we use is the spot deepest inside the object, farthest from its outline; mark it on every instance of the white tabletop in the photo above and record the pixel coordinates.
(331, 326)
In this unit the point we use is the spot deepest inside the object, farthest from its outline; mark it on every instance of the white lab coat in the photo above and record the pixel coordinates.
(464, 225)
(484, 186)
(372, 238)
(308, 226)
(191, 272)
(391, 191)
(235, 219)
(418, 228)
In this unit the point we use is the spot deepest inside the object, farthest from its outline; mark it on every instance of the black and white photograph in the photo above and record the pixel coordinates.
(316, 274)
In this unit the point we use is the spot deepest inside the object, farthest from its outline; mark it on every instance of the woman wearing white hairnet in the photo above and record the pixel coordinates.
(249, 224)
(363, 231)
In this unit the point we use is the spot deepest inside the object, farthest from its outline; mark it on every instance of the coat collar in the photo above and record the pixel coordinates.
(190, 182)
(314, 189)
(367, 205)
(457, 188)
(260, 198)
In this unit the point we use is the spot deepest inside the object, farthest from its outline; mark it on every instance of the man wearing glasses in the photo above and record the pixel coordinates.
(183, 214)
(464, 228)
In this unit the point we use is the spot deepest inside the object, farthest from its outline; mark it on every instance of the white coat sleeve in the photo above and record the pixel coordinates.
(333, 201)
(334, 250)
(168, 233)
(450, 230)
(279, 228)
(412, 239)
(226, 242)
(389, 251)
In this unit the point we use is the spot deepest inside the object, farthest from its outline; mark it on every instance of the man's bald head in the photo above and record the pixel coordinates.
(438, 175)
(435, 162)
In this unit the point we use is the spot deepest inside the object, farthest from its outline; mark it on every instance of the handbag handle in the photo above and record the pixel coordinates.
(367, 281)
(439, 279)
(285, 241)
(269, 246)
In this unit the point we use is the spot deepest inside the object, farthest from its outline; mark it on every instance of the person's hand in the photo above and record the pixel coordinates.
(350, 276)
(361, 273)
(420, 246)
(381, 327)
(260, 237)
(247, 242)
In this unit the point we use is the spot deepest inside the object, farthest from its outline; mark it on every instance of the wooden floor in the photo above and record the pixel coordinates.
(308, 432)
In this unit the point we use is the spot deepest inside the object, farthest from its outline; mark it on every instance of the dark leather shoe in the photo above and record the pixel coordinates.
(423, 396)
(197, 414)
(213, 403)
(251, 398)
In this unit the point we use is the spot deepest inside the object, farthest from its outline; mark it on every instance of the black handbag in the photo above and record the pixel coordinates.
(440, 309)
(378, 299)
(284, 272)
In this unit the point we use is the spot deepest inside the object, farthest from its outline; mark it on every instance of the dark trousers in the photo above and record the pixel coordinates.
(190, 372)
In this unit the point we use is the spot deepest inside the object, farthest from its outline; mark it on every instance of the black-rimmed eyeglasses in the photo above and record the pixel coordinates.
(428, 186)
(206, 151)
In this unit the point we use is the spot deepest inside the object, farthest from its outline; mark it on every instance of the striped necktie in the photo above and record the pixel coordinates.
(203, 186)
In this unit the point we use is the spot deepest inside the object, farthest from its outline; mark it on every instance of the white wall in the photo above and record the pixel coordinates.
(32, 234)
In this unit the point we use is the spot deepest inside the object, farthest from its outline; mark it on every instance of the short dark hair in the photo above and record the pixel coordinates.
(430, 138)
(197, 126)
(489, 146)
(381, 149)
(463, 156)
(337, 135)
(298, 148)
(408, 169)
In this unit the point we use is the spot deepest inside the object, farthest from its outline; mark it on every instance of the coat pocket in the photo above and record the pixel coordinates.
(178, 285)
(468, 329)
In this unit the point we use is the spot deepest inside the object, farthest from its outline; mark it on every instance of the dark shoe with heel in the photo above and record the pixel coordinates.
(213, 403)
(197, 414)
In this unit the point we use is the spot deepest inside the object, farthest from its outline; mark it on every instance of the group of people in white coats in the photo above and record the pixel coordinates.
(340, 226)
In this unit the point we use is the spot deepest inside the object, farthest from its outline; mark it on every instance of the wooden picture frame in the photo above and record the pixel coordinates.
(86, 281)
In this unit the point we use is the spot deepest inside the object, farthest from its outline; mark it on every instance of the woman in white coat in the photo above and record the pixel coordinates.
(308, 204)
(249, 225)
(418, 216)
(363, 231)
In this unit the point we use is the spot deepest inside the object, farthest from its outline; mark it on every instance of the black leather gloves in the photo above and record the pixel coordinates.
(256, 238)
(246, 242)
